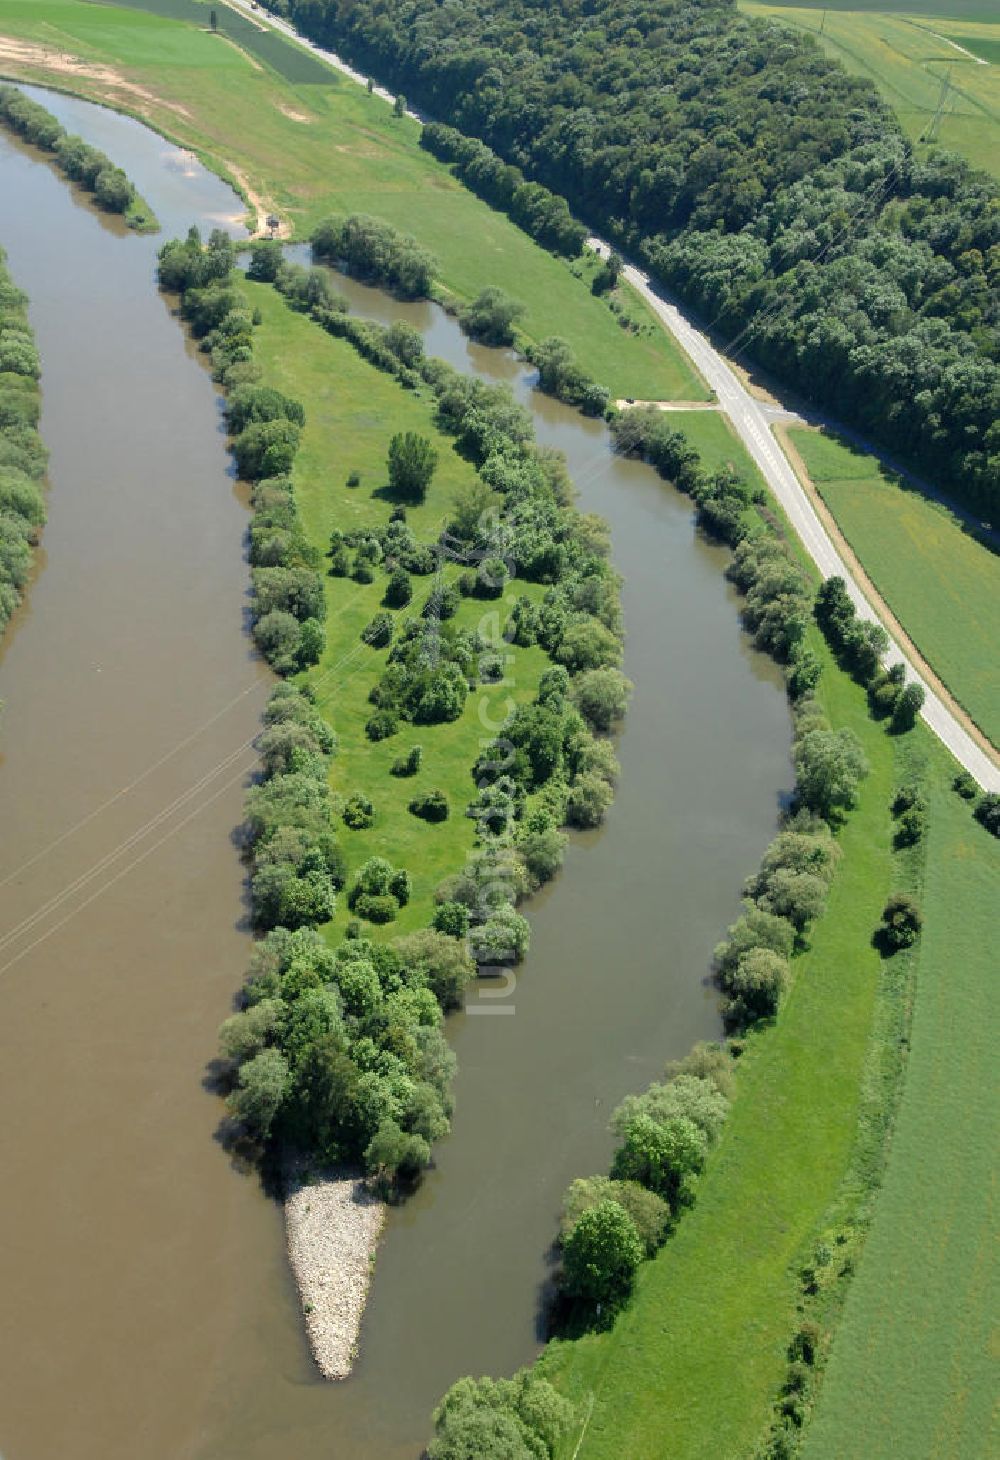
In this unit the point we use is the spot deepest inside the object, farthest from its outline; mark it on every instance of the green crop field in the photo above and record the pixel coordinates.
(910, 50)
(692, 1366)
(308, 150)
(352, 410)
(913, 1368)
(942, 585)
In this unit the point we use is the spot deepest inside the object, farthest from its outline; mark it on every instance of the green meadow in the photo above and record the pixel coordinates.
(308, 149)
(352, 410)
(942, 585)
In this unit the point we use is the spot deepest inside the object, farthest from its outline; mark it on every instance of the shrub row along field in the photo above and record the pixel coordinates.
(87, 166)
(774, 191)
(942, 585)
(22, 454)
(339, 1054)
(308, 148)
(937, 93)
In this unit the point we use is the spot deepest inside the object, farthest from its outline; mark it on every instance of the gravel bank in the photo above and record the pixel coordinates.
(332, 1226)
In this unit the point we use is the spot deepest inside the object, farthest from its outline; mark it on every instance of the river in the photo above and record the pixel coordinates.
(147, 1304)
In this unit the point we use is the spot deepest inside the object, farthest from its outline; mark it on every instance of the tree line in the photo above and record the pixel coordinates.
(81, 163)
(771, 189)
(23, 456)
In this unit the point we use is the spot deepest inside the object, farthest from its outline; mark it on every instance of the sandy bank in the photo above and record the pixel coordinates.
(333, 1227)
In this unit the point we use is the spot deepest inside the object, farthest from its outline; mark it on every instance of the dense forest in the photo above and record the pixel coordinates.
(767, 186)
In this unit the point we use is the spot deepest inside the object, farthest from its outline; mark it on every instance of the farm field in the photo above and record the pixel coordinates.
(700, 1353)
(942, 585)
(913, 51)
(307, 148)
(911, 1372)
(352, 410)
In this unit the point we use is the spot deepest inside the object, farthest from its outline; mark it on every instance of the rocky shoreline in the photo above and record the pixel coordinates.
(332, 1225)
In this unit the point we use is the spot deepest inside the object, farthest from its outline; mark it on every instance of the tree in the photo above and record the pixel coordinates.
(491, 317)
(602, 695)
(589, 798)
(399, 589)
(830, 765)
(908, 705)
(399, 106)
(649, 1212)
(755, 986)
(412, 460)
(213, 20)
(443, 961)
(601, 1256)
(262, 1085)
(665, 1158)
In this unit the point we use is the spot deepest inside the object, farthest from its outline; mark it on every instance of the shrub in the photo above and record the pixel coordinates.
(393, 1155)
(491, 317)
(601, 696)
(401, 887)
(378, 632)
(412, 460)
(431, 806)
(601, 1255)
(907, 708)
(502, 938)
(542, 853)
(451, 918)
(911, 826)
(261, 1087)
(376, 907)
(966, 785)
(755, 929)
(649, 1212)
(900, 925)
(522, 1418)
(830, 766)
(692, 1096)
(358, 813)
(399, 589)
(987, 812)
(588, 800)
(444, 962)
(663, 1158)
(381, 725)
(755, 986)
(363, 571)
(408, 764)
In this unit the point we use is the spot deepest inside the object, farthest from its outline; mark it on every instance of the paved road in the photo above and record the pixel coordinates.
(751, 420)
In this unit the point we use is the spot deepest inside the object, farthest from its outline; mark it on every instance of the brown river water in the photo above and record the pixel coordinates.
(145, 1303)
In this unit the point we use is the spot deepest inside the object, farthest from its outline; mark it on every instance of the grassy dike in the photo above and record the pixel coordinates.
(352, 409)
(696, 1359)
(307, 149)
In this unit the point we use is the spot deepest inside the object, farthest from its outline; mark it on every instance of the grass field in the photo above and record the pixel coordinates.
(913, 1368)
(352, 410)
(942, 585)
(309, 149)
(692, 1367)
(910, 50)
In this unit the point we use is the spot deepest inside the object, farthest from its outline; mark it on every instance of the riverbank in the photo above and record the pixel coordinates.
(333, 1224)
(23, 456)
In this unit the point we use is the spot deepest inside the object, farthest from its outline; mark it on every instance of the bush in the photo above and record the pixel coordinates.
(907, 708)
(522, 1418)
(399, 589)
(664, 1158)
(412, 460)
(431, 806)
(649, 1212)
(408, 764)
(692, 1096)
(900, 925)
(966, 785)
(755, 986)
(601, 1255)
(987, 812)
(830, 766)
(910, 827)
(451, 918)
(381, 725)
(588, 800)
(601, 696)
(491, 317)
(378, 632)
(358, 813)
(502, 938)
(443, 961)
(376, 907)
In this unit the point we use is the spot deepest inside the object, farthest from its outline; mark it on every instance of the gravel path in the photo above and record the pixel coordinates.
(333, 1227)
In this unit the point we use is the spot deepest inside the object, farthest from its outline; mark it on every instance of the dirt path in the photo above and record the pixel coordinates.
(876, 600)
